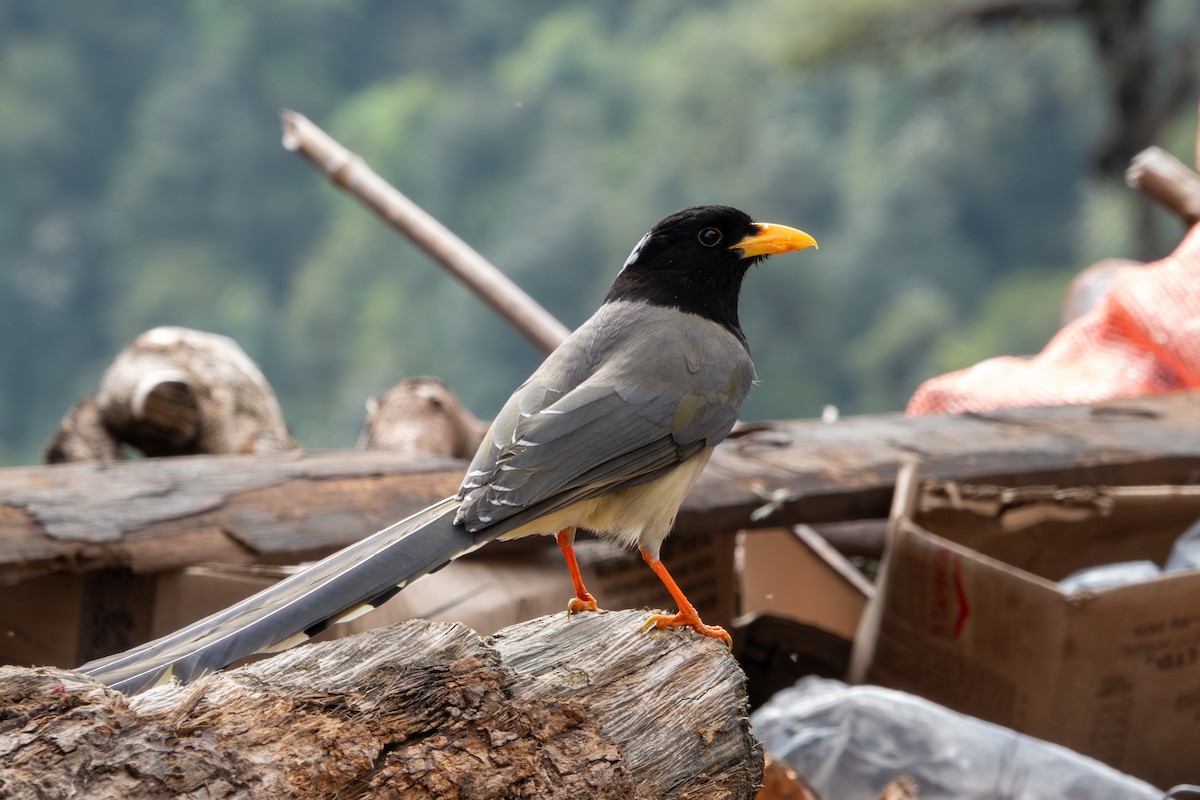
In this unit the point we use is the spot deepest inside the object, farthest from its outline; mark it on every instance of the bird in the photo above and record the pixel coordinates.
(608, 435)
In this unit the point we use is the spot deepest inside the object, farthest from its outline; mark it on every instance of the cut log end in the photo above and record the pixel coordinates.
(548, 708)
(175, 391)
(421, 416)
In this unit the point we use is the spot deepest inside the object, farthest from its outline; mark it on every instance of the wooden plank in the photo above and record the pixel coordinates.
(846, 470)
(160, 514)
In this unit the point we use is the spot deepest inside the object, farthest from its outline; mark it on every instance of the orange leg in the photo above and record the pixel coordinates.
(583, 600)
(687, 612)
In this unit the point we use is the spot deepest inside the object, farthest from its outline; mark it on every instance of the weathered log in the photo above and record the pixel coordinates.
(421, 417)
(550, 708)
(176, 391)
(153, 515)
(82, 436)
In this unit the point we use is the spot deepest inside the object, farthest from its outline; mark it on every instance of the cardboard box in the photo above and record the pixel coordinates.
(64, 620)
(40, 621)
(775, 652)
(794, 574)
(801, 603)
(968, 614)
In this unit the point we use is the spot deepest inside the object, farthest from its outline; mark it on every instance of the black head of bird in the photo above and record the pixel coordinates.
(695, 260)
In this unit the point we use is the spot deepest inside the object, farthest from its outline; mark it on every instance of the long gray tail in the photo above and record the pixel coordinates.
(348, 583)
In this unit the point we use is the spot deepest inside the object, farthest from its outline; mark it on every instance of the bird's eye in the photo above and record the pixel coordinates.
(709, 237)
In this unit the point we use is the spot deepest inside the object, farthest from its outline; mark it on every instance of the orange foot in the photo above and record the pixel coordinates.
(687, 612)
(584, 602)
(692, 621)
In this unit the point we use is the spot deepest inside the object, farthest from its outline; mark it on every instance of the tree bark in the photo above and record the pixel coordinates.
(550, 708)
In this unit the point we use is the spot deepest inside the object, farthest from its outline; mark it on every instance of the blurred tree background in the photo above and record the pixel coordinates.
(958, 161)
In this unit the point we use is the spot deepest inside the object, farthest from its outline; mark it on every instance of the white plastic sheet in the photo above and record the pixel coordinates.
(851, 741)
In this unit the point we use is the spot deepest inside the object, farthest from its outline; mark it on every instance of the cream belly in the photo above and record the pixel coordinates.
(641, 514)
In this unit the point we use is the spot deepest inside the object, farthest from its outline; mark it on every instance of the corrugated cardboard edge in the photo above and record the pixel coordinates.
(1131, 693)
(908, 485)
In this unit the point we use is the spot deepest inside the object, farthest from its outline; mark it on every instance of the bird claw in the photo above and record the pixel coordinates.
(577, 604)
(691, 621)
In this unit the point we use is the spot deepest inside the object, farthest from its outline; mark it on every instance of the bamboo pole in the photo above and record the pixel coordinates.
(350, 173)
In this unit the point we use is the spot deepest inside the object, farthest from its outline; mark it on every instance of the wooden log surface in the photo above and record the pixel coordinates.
(549, 708)
(153, 515)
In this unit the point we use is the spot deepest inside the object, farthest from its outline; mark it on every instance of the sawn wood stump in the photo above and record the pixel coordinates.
(549, 708)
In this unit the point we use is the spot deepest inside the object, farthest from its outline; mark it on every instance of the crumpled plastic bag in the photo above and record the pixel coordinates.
(850, 741)
(1185, 555)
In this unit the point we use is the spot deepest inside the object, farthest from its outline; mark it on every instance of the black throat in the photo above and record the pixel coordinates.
(711, 294)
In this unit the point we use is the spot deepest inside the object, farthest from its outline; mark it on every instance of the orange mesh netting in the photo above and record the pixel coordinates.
(1143, 338)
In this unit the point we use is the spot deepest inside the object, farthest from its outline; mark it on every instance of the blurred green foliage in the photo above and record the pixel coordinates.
(142, 183)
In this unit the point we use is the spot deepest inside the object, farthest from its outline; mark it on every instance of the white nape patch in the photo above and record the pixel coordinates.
(637, 251)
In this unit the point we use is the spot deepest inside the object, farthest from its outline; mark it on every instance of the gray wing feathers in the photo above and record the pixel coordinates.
(367, 571)
(571, 431)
